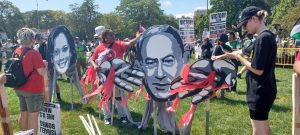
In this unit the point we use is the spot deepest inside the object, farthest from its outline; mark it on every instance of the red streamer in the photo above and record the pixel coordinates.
(186, 118)
(108, 88)
(125, 100)
(196, 85)
(173, 108)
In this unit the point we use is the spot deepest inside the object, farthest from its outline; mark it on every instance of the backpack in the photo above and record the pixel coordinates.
(14, 71)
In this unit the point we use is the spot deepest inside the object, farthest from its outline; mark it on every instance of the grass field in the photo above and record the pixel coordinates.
(228, 116)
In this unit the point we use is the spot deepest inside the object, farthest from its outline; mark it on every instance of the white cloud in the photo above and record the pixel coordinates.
(191, 15)
(166, 3)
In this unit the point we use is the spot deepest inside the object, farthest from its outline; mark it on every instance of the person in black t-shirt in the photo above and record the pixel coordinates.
(260, 78)
(206, 49)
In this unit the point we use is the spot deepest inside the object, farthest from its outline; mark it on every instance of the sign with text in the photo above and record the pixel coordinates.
(217, 23)
(186, 30)
(49, 119)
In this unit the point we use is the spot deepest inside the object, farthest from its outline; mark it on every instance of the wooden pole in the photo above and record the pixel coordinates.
(154, 118)
(296, 104)
(113, 105)
(46, 89)
(6, 125)
(207, 109)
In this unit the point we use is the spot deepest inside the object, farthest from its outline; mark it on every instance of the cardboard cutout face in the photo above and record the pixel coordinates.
(160, 54)
(62, 52)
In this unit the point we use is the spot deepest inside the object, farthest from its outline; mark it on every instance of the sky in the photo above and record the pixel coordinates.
(174, 7)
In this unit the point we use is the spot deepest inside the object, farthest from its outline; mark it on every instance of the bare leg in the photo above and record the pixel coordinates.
(23, 121)
(261, 127)
(33, 121)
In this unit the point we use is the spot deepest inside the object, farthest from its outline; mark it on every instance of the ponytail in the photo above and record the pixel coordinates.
(262, 14)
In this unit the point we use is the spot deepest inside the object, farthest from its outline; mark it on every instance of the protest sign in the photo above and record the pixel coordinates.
(217, 24)
(49, 119)
(186, 30)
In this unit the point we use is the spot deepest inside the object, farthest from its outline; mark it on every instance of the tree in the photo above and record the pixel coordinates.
(117, 23)
(234, 8)
(11, 18)
(145, 12)
(83, 18)
(288, 12)
(201, 22)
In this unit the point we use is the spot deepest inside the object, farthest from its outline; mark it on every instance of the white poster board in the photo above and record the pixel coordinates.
(49, 119)
(217, 24)
(186, 30)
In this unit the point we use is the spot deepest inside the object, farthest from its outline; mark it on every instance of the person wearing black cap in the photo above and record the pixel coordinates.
(260, 78)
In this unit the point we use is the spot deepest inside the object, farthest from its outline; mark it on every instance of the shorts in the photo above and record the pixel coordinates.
(30, 102)
(258, 115)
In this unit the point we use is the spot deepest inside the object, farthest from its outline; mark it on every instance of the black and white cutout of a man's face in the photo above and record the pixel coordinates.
(61, 55)
(162, 61)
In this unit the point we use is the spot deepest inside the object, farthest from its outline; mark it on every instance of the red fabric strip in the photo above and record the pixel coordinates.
(138, 92)
(173, 108)
(185, 73)
(196, 85)
(186, 118)
(125, 100)
(108, 88)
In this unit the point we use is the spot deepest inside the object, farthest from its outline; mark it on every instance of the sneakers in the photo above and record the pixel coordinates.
(123, 119)
(107, 121)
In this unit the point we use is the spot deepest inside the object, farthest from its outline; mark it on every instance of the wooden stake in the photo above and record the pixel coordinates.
(6, 125)
(296, 104)
(113, 105)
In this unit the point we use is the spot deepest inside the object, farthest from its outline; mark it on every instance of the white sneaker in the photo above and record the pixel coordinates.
(107, 121)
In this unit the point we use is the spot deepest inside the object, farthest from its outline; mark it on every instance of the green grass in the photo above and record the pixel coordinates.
(227, 117)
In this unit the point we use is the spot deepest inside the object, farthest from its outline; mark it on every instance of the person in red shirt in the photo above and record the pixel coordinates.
(297, 64)
(31, 93)
(107, 50)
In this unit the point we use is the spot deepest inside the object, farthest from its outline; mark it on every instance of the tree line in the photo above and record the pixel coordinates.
(127, 16)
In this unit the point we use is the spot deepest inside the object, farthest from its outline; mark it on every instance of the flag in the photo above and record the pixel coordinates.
(295, 33)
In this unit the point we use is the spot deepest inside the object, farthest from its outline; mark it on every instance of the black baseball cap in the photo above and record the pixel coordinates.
(246, 14)
(223, 38)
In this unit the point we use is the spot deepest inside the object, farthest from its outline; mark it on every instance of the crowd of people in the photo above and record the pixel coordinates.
(256, 52)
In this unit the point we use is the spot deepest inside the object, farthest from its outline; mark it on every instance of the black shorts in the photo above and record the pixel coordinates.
(258, 115)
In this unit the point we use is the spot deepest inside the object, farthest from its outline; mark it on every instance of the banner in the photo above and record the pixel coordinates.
(186, 30)
(49, 119)
(217, 24)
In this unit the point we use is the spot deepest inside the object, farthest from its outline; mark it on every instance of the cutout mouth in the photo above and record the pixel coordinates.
(62, 63)
(161, 86)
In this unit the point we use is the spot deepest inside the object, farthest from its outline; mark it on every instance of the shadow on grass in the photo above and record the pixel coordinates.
(275, 108)
(66, 106)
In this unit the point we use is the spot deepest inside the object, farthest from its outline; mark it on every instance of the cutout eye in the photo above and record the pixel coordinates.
(56, 52)
(65, 48)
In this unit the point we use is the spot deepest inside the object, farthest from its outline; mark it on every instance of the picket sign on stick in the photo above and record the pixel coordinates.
(89, 125)
(87, 128)
(98, 130)
(5, 120)
(296, 104)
